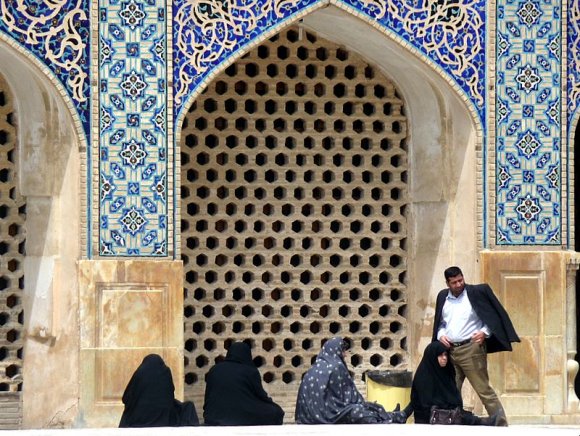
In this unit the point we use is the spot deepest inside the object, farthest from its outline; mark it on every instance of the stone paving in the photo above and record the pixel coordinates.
(311, 430)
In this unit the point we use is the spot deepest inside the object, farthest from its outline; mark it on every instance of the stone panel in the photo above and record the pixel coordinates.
(531, 285)
(119, 327)
(522, 298)
(129, 309)
(522, 373)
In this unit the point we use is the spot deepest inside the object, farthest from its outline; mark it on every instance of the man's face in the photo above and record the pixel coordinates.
(456, 284)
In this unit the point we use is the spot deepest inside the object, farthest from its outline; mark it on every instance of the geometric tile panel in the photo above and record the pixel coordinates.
(133, 133)
(528, 111)
(450, 35)
(56, 33)
(205, 34)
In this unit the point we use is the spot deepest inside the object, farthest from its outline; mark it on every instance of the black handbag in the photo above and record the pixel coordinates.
(445, 416)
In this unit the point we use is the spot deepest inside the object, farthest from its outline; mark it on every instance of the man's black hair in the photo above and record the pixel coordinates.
(452, 271)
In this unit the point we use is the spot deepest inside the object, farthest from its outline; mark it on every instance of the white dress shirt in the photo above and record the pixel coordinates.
(459, 320)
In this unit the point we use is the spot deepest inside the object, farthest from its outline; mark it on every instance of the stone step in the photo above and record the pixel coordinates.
(10, 411)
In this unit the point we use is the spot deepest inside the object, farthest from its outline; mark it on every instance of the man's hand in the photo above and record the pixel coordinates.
(478, 337)
(445, 341)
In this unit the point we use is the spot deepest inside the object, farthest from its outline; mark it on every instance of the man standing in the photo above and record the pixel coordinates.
(471, 322)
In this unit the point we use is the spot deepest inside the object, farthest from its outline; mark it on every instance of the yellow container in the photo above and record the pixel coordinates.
(389, 388)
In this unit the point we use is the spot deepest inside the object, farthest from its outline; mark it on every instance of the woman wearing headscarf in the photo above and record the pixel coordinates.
(234, 394)
(328, 395)
(434, 385)
(149, 400)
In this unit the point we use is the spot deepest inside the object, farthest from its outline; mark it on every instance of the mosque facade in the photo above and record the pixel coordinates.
(177, 175)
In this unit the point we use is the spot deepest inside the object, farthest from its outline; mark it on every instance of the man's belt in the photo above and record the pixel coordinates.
(460, 343)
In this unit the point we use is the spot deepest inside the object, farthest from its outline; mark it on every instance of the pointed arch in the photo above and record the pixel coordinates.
(50, 149)
(23, 55)
(445, 151)
(193, 70)
(371, 39)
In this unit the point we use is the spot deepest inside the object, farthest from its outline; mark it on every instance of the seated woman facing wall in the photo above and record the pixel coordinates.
(328, 395)
(149, 398)
(234, 394)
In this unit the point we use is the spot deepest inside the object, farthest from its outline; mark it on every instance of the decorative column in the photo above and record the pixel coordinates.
(572, 403)
(131, 293)
(528, 146)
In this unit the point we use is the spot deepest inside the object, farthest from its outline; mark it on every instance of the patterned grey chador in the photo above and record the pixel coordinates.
(328, 395)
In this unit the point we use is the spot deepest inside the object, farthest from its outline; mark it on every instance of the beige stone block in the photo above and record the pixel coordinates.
(532, 287)
(493, 263)
(522, 367)
(555, 353)
(522, 298)
(555, 394)
(131, 316)
(91, 273)
(523, 404)
(555, 292)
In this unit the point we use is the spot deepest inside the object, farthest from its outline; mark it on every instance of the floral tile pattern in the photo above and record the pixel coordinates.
(133, 131)
(56, 33)
(450, 34)
(528, 108)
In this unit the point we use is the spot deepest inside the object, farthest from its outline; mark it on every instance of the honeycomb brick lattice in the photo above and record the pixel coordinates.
(293, 225)
(12, 251)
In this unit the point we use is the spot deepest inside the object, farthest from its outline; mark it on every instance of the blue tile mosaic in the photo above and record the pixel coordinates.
(205, 34)
(132, 80)
(133, 128)
(573, 62)
(528, 108)
(57, 33)
(451, 34)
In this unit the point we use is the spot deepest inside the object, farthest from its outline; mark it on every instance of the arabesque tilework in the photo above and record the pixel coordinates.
(528, 122)
(451, 35)
(133, 128)
(56, 33)
(573, 61)
(206, 34)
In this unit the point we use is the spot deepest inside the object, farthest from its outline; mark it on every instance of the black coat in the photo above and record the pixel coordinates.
(234, 394)
(490, 311)
(149, 401)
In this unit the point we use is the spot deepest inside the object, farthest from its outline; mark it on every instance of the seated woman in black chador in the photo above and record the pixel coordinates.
(328, 395)
(434, 385)
(149, 400)
(234, 394)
